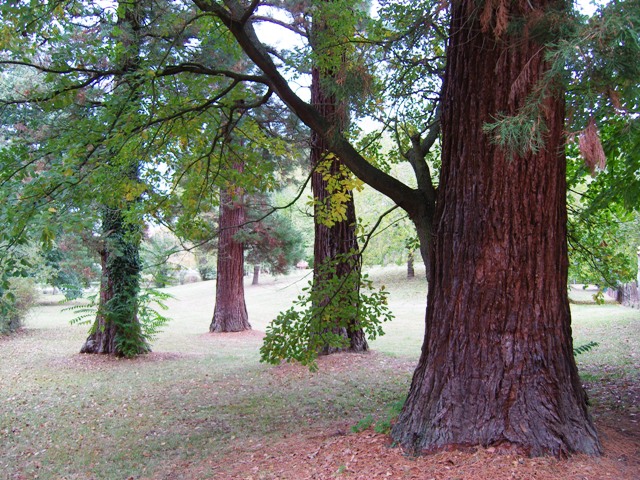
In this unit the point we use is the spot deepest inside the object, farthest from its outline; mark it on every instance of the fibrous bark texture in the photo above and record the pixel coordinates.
(497, 365)
(230, 313)
(337, 243)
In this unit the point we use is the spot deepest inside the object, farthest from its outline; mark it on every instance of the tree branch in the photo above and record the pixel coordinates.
(406, 197)
(190, 67)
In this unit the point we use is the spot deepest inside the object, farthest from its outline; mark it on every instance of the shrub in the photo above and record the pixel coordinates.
(15, 302)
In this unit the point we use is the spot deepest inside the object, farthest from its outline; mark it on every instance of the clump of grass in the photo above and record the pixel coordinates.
(363, 424)
(381, 426)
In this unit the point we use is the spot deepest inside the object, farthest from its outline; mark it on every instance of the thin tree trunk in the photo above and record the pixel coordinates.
(230, 313)
(411, 273)
(497, 365)
(256, 275)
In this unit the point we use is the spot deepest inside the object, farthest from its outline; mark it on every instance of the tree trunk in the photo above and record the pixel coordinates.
(411, 273)
(116, 329)
(230, 313)
(256, 275)
(337, 243)
(497, 365)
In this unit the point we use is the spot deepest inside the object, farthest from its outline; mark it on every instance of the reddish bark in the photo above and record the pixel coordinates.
(230, 313)
(337, 241)
(497, 365)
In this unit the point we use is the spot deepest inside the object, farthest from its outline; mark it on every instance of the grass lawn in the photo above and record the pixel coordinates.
(200, 398)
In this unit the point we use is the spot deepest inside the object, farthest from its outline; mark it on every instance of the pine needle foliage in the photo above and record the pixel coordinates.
(592, 59)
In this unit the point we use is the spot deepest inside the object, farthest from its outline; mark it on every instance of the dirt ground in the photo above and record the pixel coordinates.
(338, 453)
(368, 455)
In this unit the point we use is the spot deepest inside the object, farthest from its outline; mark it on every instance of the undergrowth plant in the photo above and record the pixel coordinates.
(321, 313)
(584, 348)
(17, 296)
(381, 426)
(150, 320)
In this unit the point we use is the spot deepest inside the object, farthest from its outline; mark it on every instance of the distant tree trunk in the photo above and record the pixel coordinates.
(411, 273)
(230, 313)
(497, 365)
(256, 275)
(116, 329)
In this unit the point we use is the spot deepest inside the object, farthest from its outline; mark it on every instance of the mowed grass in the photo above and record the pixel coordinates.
(204, 399)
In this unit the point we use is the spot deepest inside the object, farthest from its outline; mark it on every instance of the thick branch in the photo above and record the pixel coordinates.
(406, 197)
(416, 157)
(190, 67)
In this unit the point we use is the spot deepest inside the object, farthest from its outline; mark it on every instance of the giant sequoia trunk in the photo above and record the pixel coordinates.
(497, 366)
(230, 313)
(116, 329)
(336, 244)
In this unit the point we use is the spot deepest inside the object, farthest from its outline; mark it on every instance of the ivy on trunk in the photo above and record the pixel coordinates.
(116, 329)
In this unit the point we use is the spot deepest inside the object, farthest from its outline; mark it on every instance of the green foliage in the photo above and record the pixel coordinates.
(17, 291)
(384, 426)
(363, 424)
(111, 115)
(601, 251)
(584, 348)
(84, 313)
(206, 265)
(155, 254)
(270, 239)
(338, 302)
(150, 321)
(70, 265)
(395, 235)
(604, 225)
(380, 426)
(18, 296)
(340, 186)
(522, 133)
(149, 316)
(592, 59)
